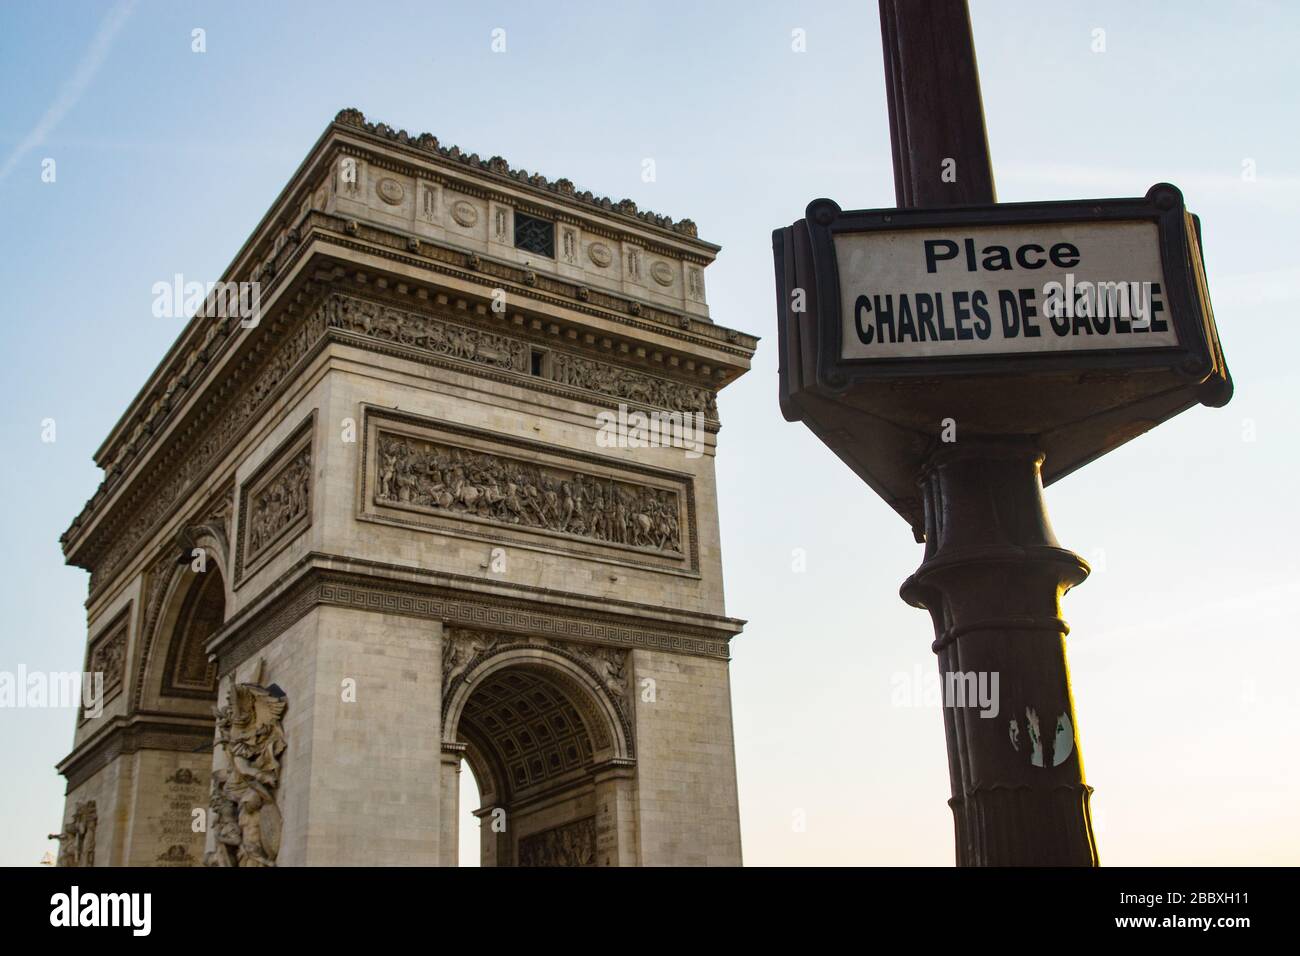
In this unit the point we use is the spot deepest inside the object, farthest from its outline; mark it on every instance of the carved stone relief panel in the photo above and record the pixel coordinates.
(467, 482)
(465, 343)
(106, 654)
(275, 504)
(581, 372)
(77, 839)
(571, 844)
(250, 737)
(385, 323)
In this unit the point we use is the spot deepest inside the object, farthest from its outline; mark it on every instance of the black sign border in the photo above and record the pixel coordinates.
(1192, 359)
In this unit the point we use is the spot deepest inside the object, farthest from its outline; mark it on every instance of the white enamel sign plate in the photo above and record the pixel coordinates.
(998, 290)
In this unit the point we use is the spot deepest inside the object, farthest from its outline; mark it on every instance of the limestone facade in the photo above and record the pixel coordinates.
(379, 530)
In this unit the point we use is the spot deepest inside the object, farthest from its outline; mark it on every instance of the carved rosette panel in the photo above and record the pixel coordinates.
(250, 740)
(430, 475)
(571, 844)
(77, 839)
(275, 505)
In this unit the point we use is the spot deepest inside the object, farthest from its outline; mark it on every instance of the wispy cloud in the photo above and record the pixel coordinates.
(76, 84)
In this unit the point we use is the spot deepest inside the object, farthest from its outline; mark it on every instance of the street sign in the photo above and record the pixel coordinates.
(959, 354)
(1080, 324)
(997, 290)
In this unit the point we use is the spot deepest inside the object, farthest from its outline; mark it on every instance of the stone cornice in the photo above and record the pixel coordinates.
(497, 168)
(266, 366)
(212, 426)
(277, 233)
(464, 601)
(126, 735)
(460, 263)
(189, 377)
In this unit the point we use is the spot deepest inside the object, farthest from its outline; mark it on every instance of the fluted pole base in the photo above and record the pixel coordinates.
(992, 580)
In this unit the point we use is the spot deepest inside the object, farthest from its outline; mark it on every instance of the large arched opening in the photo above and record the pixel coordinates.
(549, 749)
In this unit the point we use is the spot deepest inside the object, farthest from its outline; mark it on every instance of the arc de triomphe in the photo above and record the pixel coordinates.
(417, 508)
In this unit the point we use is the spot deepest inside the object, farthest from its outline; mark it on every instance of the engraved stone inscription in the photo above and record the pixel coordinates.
(178, 844)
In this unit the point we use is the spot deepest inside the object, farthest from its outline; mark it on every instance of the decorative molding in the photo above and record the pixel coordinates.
(124, 736)
(275, 504)
(250, 734)
(216, 522)
(465, 648)
(570, 844)
(453, 606)
(429, 333)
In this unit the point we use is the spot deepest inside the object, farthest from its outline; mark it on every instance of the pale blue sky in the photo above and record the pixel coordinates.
(1183, 653)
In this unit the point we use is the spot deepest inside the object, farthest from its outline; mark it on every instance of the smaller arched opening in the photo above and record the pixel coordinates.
(550, 755)
(174, 691)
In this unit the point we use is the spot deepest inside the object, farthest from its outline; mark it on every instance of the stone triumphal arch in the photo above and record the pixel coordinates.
(433, 486)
